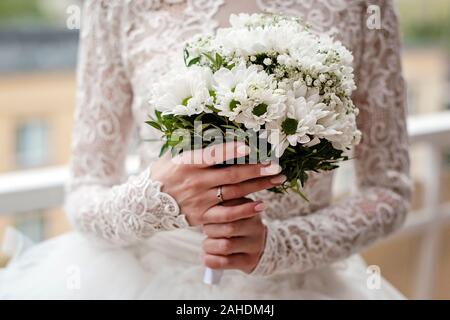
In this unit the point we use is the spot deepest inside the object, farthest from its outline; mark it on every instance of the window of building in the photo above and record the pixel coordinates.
(32, 145)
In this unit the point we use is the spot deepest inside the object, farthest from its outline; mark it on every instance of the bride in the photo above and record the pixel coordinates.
(150, 236)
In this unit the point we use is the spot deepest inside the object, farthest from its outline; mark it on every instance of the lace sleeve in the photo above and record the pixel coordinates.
(97, 201)
(382, 165)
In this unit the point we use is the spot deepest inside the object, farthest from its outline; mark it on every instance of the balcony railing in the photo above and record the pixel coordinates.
(44, 189)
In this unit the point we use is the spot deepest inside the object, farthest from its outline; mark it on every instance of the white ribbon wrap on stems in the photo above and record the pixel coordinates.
(212, 276)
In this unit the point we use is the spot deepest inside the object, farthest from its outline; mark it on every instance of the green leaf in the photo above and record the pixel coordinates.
(154, 125)
(185, 101)
(219, 61)
(290, 149)
(233, 104)
(193, 61)
(207, 55)
(213, 94)
(276, 190)
(214, 109)
(186, 123)
(294, 183)
(301, 194)
(164, 148)
(158, 115)
(185, 55)
(173, 142)
(230, 66)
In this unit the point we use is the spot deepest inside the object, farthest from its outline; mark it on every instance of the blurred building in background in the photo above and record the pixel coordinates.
(37, 93)
(35, 122)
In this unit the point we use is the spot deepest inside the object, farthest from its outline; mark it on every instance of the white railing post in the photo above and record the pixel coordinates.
(429, 246)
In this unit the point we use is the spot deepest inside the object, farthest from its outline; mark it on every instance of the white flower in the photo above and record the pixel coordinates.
(186, 93)
(230, 87)
(263, 105)
(340, 130)
(299, 125)
(267, 61)
(247, 95)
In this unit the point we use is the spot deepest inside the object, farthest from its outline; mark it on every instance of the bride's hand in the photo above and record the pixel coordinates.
(193, 181)
(235, 245)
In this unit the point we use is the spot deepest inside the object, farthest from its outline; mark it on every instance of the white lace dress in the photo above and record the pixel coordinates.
(131, 240)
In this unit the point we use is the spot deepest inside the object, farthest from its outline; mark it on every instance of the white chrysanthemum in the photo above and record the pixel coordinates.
(252, 42)
(340, 130)
(185, 93)
(299, 125)
(261, 106)
(248, 95)
(230, 87)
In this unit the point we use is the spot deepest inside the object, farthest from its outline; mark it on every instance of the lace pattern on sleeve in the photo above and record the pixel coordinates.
(98, 202)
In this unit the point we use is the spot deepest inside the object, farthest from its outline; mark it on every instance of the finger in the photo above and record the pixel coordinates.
(235, 202)
(211, 199)
(239, 228)
(227, 246)
(241, 172)
(239, 261)
(213, 155)
(223, 214)
(234, 191)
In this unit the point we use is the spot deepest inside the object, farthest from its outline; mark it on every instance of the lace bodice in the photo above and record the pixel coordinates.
(127, 45)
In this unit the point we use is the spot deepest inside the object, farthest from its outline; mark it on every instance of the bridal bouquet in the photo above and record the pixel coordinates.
(269, 81)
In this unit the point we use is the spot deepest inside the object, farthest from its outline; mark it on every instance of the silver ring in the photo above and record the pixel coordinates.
(220, 194)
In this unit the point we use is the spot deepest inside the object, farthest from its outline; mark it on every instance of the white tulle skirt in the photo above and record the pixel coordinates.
(167, 266)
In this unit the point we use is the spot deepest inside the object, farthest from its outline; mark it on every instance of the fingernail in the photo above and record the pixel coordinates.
(260, 206)
(271, 170)
(243, 150)
(265, 162)
(278, 179)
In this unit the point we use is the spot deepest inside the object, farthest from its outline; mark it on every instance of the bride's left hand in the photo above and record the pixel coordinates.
(234, 245)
